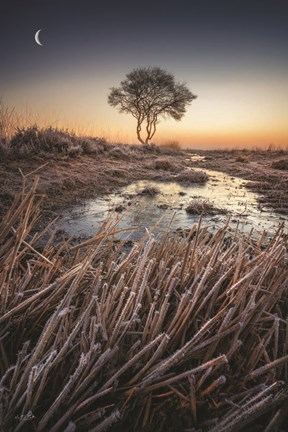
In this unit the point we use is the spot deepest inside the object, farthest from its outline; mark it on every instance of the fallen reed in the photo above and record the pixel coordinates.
(180, 333)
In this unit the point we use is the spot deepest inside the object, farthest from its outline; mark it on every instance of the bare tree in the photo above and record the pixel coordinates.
(149, 93)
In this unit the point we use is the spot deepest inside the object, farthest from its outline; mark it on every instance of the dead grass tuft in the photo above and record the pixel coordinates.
(150, 191)
(191, 176)
(203, 206)
(4, 148)
(241, 159)
(171, 144)
(165, 164)
(125, 152)
(32, 141)
(281, 164)
(258, 185)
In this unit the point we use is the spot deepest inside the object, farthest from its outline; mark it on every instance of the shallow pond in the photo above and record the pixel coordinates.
(168, 208)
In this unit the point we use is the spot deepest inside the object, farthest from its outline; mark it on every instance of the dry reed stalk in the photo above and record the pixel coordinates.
(219, 360)
(133, 360)
(159, 351)
(214, 385)
(250, 399)
(114, 417)
(266, 368)
(250, 414)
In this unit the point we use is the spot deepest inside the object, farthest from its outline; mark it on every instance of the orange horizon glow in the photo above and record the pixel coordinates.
(167, 131)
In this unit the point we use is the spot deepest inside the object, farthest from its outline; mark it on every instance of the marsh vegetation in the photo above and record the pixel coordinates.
(179, 329)
(181, 333)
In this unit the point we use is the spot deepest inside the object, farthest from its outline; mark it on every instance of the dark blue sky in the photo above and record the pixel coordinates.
(85, 30)
(233, 40)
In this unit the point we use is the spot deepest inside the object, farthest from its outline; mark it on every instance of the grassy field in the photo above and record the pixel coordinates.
(72, 168)
(186, 333)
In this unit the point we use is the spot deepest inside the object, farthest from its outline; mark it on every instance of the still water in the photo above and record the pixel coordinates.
(157, 212)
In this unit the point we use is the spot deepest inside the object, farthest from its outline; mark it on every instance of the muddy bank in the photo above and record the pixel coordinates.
(266, 172)
(67, 181)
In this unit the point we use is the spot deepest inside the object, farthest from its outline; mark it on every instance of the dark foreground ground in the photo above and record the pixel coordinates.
(66, 179)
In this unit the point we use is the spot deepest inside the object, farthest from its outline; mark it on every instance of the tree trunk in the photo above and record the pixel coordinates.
(138, 130)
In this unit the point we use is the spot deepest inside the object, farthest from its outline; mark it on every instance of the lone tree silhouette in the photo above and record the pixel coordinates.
(149, 93)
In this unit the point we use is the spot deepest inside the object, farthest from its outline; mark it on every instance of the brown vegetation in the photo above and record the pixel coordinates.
(241, 159)
(74, 168)
(175, 334)
(8, 121)
(165, 164)
(191, 176)
(171, 144)
(263, 171)
(281, 164)
(33, 140)
(150, 190)
(202, 206)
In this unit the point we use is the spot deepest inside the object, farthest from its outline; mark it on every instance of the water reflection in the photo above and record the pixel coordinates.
(168, 207)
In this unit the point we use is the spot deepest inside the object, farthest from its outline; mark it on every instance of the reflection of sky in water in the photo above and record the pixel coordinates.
(143, 211)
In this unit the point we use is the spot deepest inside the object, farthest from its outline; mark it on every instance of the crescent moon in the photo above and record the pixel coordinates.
(37, 40)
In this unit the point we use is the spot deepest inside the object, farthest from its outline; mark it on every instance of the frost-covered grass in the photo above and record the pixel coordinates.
(202, 206)
(281, 164)
(150, 190)
(191, 176)
(174, 334)
(28, 141)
